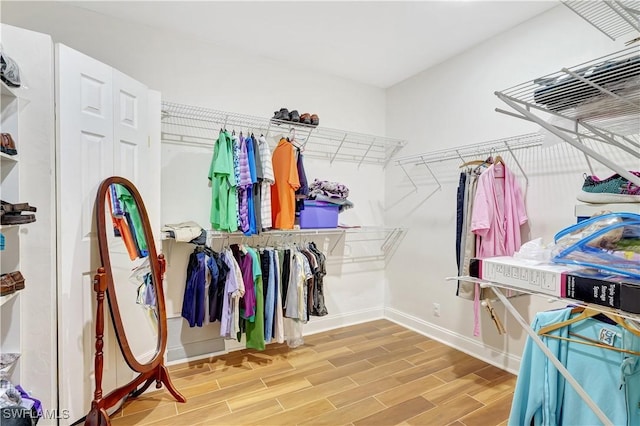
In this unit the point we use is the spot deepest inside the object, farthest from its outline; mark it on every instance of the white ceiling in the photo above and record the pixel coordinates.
(377, 43)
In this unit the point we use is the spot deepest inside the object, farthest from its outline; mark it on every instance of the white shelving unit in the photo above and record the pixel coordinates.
(600, 98)
(614, 18)
(10, 305)
(601, 101)
(196, 126)
(192, 125)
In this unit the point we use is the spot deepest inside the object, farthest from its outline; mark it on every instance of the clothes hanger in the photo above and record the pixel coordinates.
(586, 312)
(590, 342)
(292, 135)
(472, 163)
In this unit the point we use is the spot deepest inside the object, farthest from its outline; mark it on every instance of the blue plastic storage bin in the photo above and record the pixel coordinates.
(319, 214)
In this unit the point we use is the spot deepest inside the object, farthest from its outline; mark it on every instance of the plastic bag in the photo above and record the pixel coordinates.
(534, 250)
(610, 242)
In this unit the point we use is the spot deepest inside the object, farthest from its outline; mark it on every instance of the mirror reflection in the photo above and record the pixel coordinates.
(131, 272)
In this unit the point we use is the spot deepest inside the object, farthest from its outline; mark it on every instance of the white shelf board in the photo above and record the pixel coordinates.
(5, 90)
(6, 158)
(8, 297)
(588, 210)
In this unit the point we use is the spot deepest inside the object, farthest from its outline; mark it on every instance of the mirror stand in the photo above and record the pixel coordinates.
(98, 415)
(128, 255)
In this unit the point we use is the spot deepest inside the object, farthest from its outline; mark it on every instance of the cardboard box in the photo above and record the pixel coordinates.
(522, 274)
(573, 282)
(605, 290)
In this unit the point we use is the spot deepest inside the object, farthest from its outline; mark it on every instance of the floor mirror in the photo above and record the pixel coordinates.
(131, 276)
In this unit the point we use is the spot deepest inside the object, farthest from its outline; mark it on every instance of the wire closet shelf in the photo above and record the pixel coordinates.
(614, 18)
(197, 126)
(475, 151)
(598, 100)
(385, 239)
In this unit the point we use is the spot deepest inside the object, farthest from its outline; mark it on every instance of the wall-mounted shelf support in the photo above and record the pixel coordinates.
(600, 97)
(564, 136)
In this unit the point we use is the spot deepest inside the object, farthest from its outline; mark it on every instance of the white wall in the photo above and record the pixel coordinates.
(191, 72)
(453, 104)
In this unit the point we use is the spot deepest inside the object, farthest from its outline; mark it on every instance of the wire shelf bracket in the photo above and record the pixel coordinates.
(601, 98)
(199, 127)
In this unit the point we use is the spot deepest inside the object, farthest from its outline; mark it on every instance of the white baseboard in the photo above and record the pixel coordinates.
(462, 343)
(330, 322)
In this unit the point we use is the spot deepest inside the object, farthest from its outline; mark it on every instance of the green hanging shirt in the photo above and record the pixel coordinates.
(255, 329)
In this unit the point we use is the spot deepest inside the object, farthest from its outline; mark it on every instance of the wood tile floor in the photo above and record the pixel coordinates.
(375, 373)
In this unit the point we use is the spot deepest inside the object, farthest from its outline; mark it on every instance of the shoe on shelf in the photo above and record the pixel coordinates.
(18, 279)
(315, 120)
(16, 219)
(614, 189)
(283, 115)
(7, 144)
(7, 285)
(294, 116)
(16, 208)
(305, 118)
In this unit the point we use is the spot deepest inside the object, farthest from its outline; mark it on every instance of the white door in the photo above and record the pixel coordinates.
(84, 110)
(102, 123)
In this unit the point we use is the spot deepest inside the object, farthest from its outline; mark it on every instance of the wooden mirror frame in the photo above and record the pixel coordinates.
(103, 282)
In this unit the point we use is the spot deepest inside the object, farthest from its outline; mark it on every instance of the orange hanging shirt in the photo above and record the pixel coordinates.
(283, 197)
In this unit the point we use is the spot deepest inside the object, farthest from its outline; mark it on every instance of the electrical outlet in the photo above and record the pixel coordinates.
(436, 309)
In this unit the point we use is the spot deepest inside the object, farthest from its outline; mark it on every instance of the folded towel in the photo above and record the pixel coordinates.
(185, 231)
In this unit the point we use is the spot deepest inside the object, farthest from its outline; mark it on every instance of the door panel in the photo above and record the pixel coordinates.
(103, 130)
(84, 110)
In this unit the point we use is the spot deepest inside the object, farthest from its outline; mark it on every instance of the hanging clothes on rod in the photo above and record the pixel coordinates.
(266, 179)
(224, 175)
(490, 213)
(286, 183)
(266, 293)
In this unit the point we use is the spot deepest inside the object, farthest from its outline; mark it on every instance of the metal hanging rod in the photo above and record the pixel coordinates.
(387, 238)
(614, 18)
(197, 126)
(601, 98)
(466, 152)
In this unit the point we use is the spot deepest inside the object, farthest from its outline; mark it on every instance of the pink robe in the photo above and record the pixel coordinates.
(498, 213)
